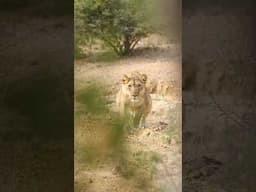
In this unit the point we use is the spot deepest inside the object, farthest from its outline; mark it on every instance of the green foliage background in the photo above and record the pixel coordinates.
(119, 24)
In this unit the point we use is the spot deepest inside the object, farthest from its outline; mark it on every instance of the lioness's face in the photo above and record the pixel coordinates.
(134, 87)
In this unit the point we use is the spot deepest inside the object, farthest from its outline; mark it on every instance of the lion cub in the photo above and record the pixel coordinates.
(133, 100)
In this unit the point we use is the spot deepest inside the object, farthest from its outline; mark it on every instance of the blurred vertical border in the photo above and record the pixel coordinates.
(218, 71)
(36, 100)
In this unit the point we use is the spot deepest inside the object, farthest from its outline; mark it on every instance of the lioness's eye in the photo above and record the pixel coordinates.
(129, 85)
(139, 85)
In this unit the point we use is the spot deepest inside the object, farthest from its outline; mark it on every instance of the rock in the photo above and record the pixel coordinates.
(116, 170)
(90, 180)
(145, 133)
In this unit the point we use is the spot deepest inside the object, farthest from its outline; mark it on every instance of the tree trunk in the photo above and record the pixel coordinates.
(126, 45)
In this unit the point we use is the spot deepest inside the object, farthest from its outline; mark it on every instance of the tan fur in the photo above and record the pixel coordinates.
(133, 100)
(151, 86)
(163, 88)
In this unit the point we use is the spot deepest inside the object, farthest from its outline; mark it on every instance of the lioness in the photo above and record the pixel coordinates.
(133, 100)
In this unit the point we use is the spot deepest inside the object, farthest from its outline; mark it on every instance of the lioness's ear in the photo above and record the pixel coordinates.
(125, 79)
(144, 78)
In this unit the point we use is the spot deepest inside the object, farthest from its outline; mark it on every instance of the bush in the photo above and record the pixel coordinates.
(120, 24)
(81, 38)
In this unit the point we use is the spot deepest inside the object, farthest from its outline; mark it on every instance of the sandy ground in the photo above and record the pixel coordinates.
(161, 64)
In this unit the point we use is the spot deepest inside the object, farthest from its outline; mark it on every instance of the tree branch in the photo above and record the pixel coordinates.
(134, 43)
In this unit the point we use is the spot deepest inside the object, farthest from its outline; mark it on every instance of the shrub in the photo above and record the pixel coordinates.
(120, 24)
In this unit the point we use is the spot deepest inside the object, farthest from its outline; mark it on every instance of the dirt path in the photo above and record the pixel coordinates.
(155, 138)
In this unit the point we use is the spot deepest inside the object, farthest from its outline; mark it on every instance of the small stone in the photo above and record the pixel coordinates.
(90, 181)
(116, 169)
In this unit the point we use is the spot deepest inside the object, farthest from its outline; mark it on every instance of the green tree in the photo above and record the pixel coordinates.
(80, 37)
(120, 24)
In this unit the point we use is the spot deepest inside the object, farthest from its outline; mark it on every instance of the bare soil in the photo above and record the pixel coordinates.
(160, 61)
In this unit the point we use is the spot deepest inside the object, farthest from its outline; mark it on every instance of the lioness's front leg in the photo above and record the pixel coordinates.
(142, 122)
(122, 110)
